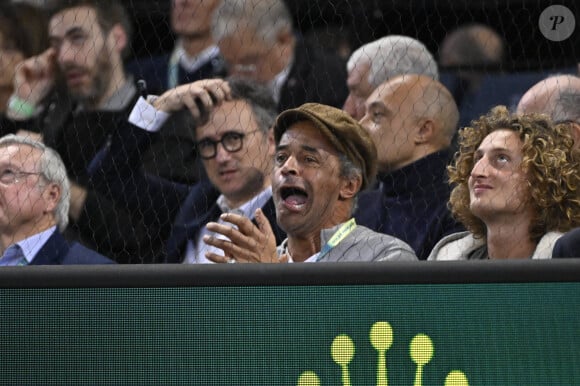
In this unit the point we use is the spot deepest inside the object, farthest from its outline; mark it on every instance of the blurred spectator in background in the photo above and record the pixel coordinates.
(22, 34)
(469, 52)
(257, 40)
(34, 191)
(195, 55)
(472, 45)
(74, 95)
(515, 189)
(412, 119)
(378, 61)
(335, 38)
(559, 97)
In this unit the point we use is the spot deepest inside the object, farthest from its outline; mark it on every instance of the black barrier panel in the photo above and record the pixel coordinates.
(480, 323)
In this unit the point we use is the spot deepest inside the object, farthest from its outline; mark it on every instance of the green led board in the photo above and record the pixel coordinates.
(410, 334)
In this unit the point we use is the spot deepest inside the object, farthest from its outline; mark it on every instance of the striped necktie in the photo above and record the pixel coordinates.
(13, 256)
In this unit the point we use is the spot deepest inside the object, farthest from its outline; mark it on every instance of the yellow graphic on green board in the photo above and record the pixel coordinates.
(421, 351)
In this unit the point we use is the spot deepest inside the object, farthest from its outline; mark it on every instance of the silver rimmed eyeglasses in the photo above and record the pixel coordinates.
(10, 176)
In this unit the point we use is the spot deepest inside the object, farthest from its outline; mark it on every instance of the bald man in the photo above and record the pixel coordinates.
(412, 120)
(559, 97)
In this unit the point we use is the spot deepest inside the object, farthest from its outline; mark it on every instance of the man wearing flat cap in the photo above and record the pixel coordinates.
(323, 159)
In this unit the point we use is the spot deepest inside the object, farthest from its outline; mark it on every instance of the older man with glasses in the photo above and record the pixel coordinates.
(234, 139)
(34, 203)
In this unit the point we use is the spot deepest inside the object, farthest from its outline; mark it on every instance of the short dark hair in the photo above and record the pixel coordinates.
(109, 13)
(259, 98)
(24, 26)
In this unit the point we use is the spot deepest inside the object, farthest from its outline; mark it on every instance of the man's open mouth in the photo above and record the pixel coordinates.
(294, 197)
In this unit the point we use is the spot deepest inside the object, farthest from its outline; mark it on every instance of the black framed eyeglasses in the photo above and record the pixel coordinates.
(232, 141)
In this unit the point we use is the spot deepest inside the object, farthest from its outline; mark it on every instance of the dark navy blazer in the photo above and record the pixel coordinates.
(155, 72)
(168, 208)
(198, 209)
(56, 251)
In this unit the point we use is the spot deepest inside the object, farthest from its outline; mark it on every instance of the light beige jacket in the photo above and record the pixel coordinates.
(463, 246)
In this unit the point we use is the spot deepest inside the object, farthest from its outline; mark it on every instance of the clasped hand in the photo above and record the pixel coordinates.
(247, 243)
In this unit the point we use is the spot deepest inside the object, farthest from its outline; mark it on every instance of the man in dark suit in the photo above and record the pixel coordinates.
(257, 41)
(194, 56)
(233, 121)
(34, 202)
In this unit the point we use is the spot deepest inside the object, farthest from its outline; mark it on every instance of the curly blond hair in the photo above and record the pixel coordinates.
(551, 164)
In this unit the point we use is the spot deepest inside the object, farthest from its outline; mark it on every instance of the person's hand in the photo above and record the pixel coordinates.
(78, 196)
(247, 244)
(35, 76)
(198, 97)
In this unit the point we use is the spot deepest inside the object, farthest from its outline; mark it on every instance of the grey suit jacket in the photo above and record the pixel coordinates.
(363, 244)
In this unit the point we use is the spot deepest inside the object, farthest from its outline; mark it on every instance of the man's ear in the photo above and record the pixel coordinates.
(285, 37)
(52, 194)
(119, 37)
(350, 187)
(271, 142)
(576, 134)
(426, 132)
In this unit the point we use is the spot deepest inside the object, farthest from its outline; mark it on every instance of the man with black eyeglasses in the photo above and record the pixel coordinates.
(233, 128)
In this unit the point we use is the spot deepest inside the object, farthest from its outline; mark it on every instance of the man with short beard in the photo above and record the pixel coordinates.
(73, 96)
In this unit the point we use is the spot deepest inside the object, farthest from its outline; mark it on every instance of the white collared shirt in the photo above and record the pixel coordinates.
(276, 84)
(195, 253)
(31, 245)
(192, 63)
(179, 57)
